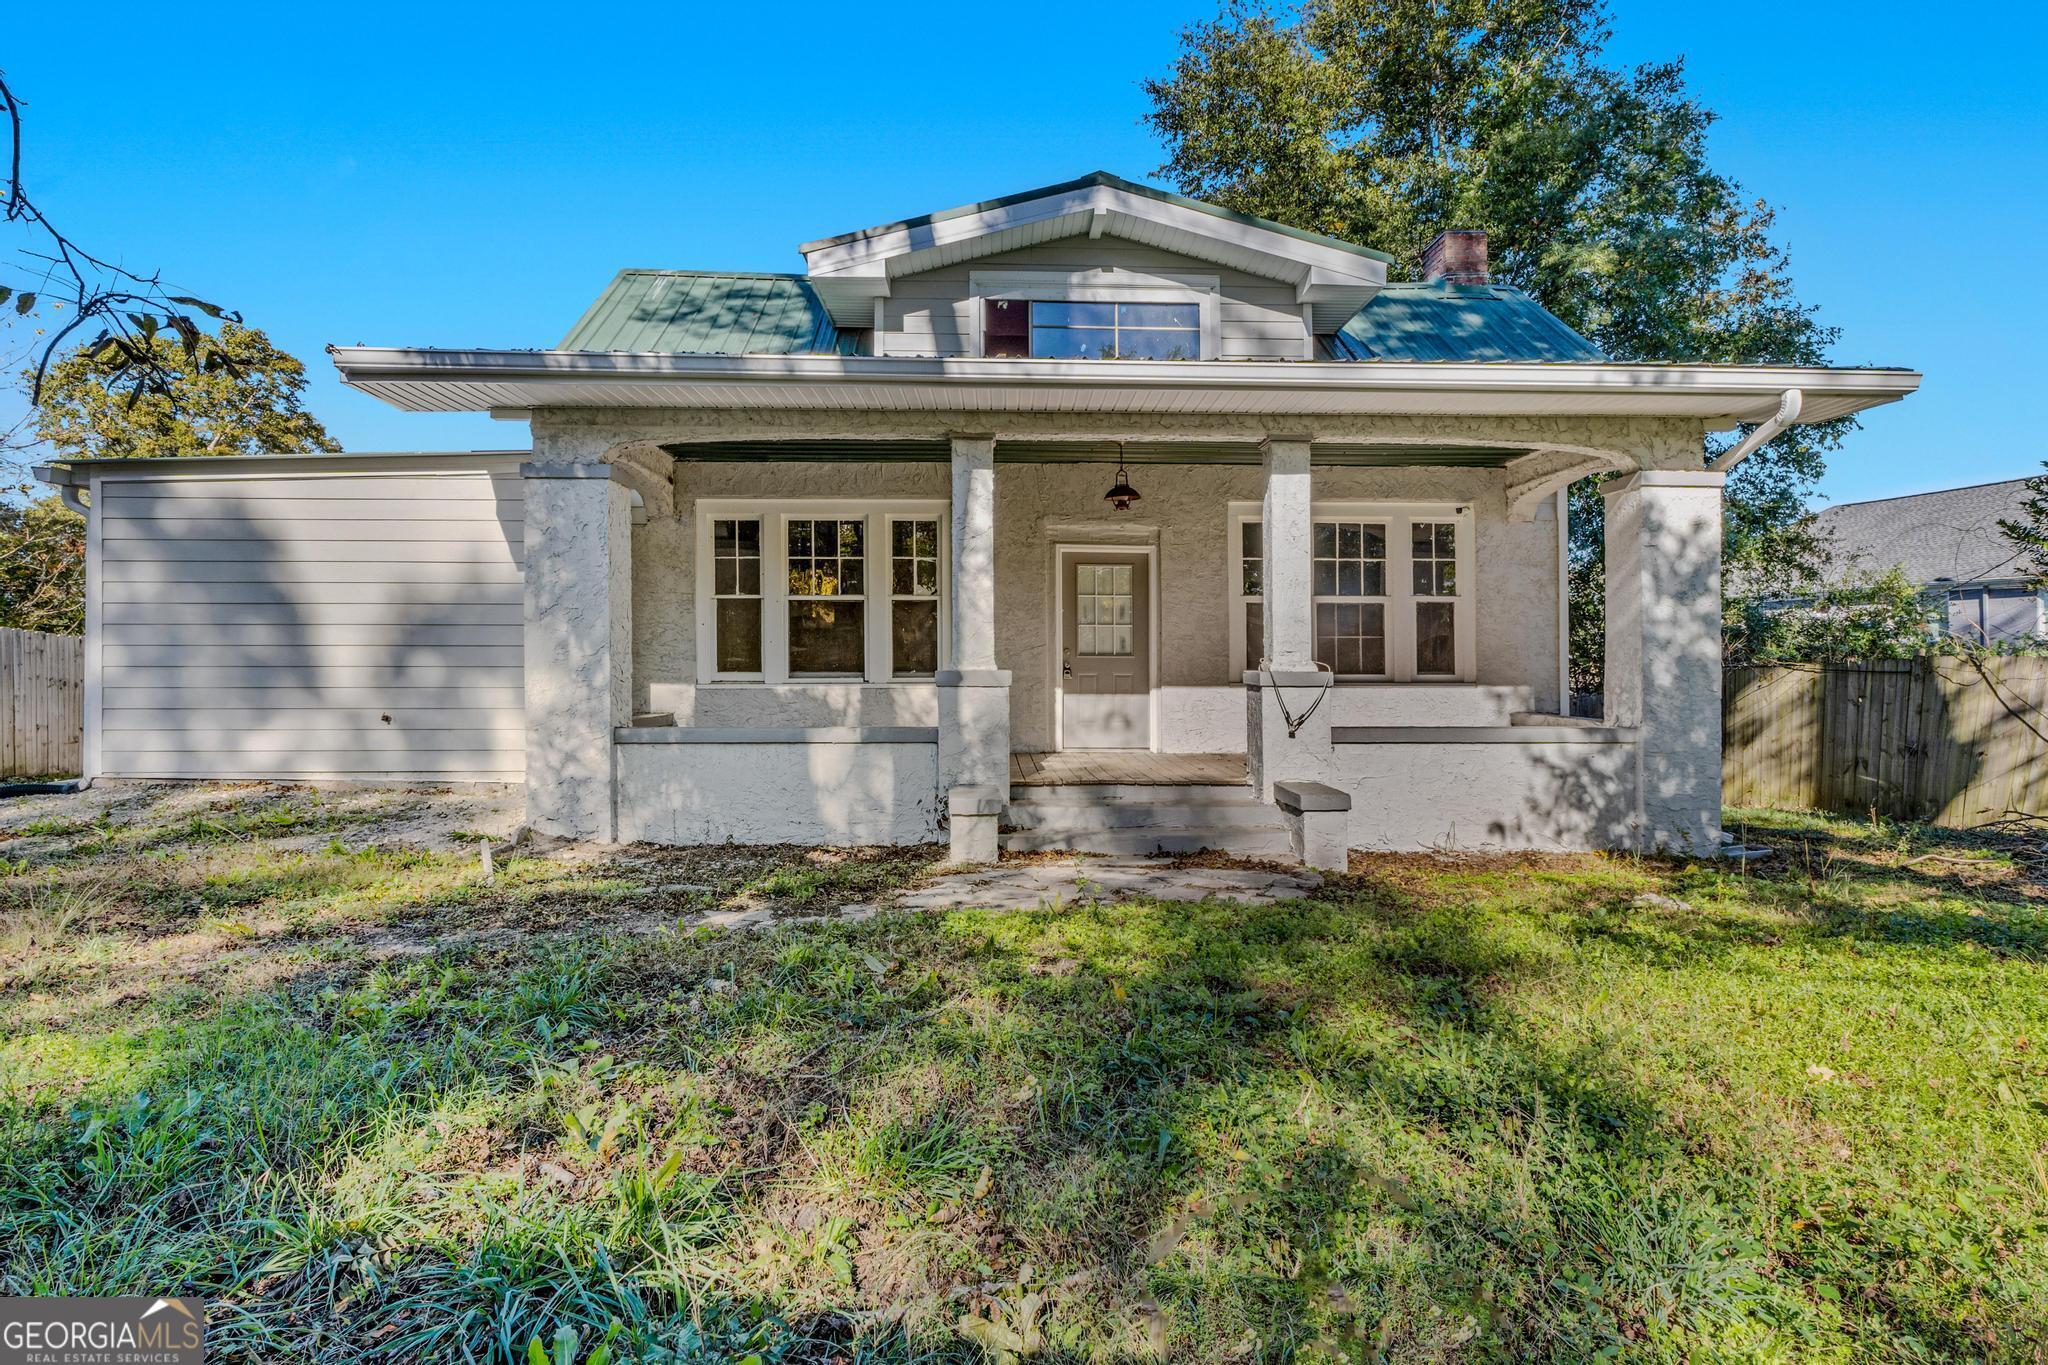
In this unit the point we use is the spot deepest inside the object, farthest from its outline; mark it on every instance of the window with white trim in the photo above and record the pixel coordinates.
(792, 591)
(736, 591)
(1098, 314)
(913, 596)
(1387, 588)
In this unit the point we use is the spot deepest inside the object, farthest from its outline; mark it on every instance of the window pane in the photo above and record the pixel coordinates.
(1326, 539)
(750, 577)
(914, 637)
(1326, 578)
(927, 538)
(725, 576)
(1351, 637)
(825, 637)
(1254, 578)
(800, 538)
(928, 577)
(1446, 546)
(1158, 345)
(1350, 539)
(1073, 315)
(1254, 540)
(902, 578)
(739, 635)
(1254, 633)
(723, 538)
(750, 538)
(1072, 343)
(1375, 581)
(1435, 637)
(1182, 315)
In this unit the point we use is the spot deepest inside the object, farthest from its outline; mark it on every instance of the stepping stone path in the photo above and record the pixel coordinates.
(1070, 881)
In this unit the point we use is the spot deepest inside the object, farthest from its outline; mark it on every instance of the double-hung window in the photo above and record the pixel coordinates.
(1388, 589)
(802, 592)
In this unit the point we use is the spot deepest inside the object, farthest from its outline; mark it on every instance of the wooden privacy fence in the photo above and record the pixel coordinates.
(1954, 741)
(42, 703)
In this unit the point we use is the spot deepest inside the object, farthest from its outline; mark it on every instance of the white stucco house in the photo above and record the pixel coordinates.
(828, 558)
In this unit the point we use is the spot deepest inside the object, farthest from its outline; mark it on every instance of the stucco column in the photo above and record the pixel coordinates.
(1663, 674)
(579, 643)
(974, 694)
(1289, 612)
(1287, 735)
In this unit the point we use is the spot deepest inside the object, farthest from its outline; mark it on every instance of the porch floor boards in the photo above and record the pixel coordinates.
(1126, 767)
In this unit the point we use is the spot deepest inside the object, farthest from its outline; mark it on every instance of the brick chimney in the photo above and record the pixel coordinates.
(1455, 256)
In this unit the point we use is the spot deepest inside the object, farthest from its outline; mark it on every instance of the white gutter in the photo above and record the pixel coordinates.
(1788, 413)
(61, 479)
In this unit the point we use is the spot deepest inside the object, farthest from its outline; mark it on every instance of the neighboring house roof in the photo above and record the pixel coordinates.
(1457, 322)
(707, 312)
(1948, 536)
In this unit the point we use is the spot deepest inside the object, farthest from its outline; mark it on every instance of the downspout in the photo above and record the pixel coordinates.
(1564, 602)
(1788, 413)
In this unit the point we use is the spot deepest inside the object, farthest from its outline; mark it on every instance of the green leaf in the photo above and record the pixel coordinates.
(565, 1345)
(24, 303)
(535, 1354)
(211, 310)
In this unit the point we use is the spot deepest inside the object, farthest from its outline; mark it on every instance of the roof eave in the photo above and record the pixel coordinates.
(463, 381)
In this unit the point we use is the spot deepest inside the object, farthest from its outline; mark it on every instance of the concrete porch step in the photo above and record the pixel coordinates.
(1272, 844)
(1083, 815)
(1139, 793)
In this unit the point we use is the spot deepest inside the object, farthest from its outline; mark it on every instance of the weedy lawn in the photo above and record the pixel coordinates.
(274, 1048)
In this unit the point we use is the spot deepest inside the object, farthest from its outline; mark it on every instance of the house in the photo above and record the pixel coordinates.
(1948, 542)
(1091, 516)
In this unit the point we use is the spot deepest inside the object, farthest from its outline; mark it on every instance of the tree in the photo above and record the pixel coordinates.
(1384, 121)
(42, 567)
(257, 408)
(1865, 615)
(2029, 536)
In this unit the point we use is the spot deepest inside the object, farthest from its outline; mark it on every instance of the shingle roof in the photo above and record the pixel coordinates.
(1947, 535)
(705, 312)
(1457, 322)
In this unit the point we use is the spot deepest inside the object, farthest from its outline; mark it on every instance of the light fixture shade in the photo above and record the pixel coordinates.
(1121, 495)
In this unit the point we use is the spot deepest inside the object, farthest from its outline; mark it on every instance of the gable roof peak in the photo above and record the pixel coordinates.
(853, 269)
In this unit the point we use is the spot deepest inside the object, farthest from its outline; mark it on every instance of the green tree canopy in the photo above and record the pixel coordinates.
(42, 567)
(1385, 121)
(256, 408)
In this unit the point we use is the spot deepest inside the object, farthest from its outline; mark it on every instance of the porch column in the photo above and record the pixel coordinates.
(974, 694)
(579, 643)
(1664, 649)
(1287, 736)
(1289, 614)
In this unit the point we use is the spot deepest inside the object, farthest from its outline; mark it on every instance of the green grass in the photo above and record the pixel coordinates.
(1476, 1108)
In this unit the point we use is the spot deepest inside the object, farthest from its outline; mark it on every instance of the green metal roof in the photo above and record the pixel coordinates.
(1113, 182)
(707, 312)
(1409, 321)
(702, 312)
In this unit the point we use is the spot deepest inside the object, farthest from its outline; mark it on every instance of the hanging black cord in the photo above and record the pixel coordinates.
(1294, 722)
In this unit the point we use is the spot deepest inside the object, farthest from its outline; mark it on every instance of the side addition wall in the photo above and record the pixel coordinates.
(359, 619)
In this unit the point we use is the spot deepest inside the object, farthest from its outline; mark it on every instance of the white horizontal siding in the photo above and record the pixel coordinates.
(311, 625)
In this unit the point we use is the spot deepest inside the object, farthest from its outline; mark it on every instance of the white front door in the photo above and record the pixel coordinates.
(1105, 652)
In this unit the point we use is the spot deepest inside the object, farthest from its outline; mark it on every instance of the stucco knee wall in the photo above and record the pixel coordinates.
(778, 793)
(1184, 514)
(1409, 797)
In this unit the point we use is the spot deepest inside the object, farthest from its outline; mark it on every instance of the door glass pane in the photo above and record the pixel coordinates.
(1102, 610)
(1436, 648)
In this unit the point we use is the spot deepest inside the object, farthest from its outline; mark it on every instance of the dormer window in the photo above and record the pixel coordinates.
(1067, 330)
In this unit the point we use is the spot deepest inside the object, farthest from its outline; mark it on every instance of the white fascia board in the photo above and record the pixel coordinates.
(1292, 257)
(527, 379)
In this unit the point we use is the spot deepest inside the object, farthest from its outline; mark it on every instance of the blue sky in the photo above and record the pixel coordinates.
(423, 177)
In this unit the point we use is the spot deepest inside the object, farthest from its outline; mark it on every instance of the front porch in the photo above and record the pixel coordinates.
(859, 642)
(1126, 768)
